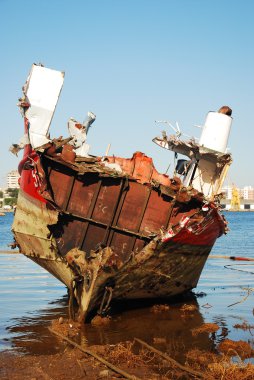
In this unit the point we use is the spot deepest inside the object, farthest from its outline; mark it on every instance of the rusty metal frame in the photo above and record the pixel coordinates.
(68, 195)
(141, 216)
(90, 212)
(117, 209)
(111, 227)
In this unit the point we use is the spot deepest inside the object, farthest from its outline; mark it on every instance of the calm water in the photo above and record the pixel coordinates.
(30, 298)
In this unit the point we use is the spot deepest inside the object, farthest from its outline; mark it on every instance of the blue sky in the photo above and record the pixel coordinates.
(132, 62)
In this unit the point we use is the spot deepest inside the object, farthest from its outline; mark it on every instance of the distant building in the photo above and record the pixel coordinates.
(13, 179)
(247, 193)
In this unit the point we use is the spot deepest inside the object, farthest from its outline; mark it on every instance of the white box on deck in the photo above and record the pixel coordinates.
(43, 88)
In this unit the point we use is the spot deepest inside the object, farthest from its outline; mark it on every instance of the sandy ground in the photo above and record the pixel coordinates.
(71, 364)
(67, 365)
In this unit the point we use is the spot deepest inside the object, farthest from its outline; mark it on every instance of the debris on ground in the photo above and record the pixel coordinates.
(159, 308)
(70, 363)
(236, 348)
(100, 321)
(205, 328)
(217, 367)
(243, 326)
(188, 308)
(66, 327)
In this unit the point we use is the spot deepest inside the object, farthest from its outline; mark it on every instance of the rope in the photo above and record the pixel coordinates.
(239, 270)
(171, 360)
(114, 368)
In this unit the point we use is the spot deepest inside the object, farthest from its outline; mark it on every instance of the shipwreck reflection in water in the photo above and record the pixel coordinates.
(169, 330)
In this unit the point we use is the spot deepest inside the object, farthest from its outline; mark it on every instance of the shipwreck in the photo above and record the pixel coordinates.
(111, 227)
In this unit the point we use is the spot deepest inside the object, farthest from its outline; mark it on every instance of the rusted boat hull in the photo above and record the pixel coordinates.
(111, 227)
(100, 233)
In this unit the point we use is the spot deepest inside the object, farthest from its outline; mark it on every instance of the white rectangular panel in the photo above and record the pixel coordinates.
(43, 88)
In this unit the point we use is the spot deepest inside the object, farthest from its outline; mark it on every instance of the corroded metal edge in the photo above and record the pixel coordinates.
(32, 236)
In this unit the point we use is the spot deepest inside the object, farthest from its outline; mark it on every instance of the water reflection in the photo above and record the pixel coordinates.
(31, 335)
(169, 330)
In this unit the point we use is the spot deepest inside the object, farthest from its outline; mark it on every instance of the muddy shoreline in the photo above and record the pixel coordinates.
(128, 360)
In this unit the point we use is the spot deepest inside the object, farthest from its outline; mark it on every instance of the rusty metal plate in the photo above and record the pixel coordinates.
(133, 208)
(107, 200)
(81, 197)
(156, 214)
